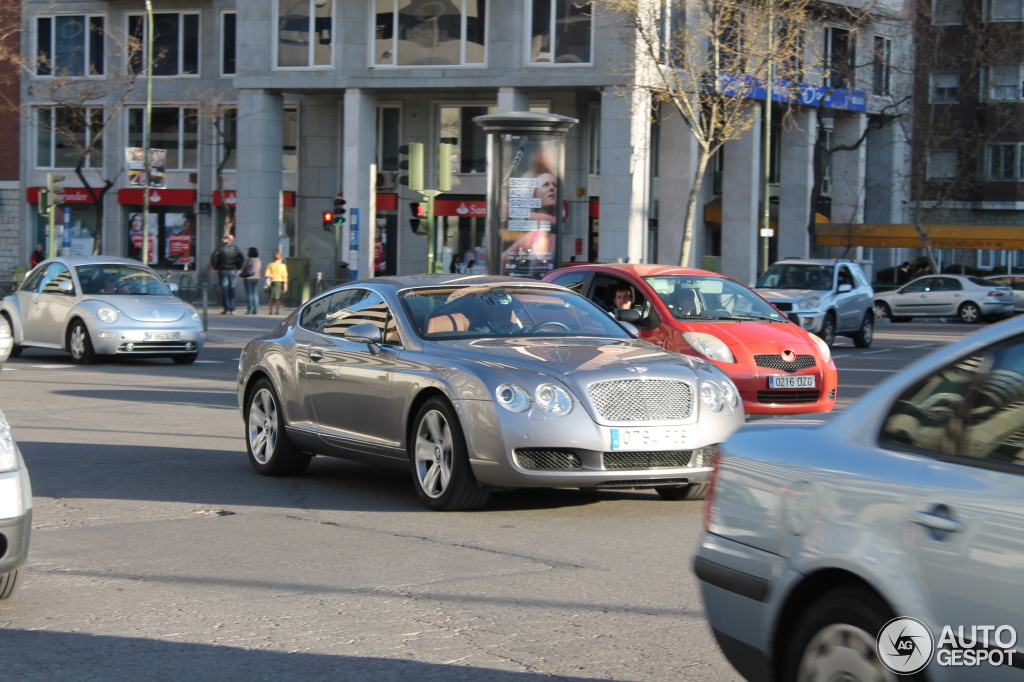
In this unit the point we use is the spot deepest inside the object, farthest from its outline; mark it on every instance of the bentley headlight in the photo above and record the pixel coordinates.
(108, 315)
(711, 396)
(710, 346)
(730, 394)
(513, 398)
(808, 303)
(826, 352)
(8, 460)
(553, 399)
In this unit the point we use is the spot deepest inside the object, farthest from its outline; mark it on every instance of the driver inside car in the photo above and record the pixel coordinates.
(496, 313)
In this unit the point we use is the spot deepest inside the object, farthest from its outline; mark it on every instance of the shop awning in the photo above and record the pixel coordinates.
(905, 235)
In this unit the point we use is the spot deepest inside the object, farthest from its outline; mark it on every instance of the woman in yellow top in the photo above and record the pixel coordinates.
(277, 279)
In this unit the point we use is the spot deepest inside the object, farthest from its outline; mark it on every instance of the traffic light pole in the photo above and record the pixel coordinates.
(433, 266)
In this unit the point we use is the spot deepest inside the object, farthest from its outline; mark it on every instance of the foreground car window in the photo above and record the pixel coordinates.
(716, 298)
(125, 280)
(487, 311)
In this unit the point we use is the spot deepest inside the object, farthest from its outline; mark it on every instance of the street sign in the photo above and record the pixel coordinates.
(353, 243)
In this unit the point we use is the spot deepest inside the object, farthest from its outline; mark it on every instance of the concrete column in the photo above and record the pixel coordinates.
(360, 173)
(320, 180)
(795, 183)
(260, 118)
(742, 191)
(677, 161)
(625, 176)
(848, 170)
(513, 99)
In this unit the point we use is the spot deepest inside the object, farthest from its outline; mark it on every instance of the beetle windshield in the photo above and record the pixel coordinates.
(477, 311)
(691, 297)
(109, 279)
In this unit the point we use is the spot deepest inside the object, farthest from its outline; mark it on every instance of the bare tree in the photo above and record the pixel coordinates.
(220, 111)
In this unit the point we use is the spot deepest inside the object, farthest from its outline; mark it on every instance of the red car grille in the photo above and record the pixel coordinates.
(789, 396)
(776, 362)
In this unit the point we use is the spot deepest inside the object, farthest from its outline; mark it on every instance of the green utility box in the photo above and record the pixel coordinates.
(299, 286)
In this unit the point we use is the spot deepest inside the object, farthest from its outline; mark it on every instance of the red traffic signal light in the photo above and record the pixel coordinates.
(328, 218)
(417, 211)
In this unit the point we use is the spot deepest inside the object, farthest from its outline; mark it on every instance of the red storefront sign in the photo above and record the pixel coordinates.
(72, 195)
(229, 197)
(159, 197)
(462, 208)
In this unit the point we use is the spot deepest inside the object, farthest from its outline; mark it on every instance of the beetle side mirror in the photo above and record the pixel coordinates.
(65, 287)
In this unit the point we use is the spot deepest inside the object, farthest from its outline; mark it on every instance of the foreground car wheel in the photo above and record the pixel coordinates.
(694, 491)
(828, 329)
(969, 313)
(80, 345)
(835, 639)
(441, 471)
(270, 451)
(15, 349)
(8, 581)
(864, 335)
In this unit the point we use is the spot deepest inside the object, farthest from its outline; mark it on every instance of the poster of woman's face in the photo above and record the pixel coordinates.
(135, 237)
(180, 231)
(530, 220)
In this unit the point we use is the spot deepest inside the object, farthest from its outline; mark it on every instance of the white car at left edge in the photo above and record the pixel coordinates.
(15, 498)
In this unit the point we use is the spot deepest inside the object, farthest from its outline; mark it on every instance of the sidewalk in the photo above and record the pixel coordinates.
(237, 329)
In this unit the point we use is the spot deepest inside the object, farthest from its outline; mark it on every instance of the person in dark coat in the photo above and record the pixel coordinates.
(227, 261)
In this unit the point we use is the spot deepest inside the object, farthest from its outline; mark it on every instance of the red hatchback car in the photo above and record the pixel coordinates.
(778, 367)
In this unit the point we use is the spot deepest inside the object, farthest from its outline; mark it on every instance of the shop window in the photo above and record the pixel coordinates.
(172, 236)
(69, 46)
(175, 44)
(227, 43)
(430, 32)
(561, 31)
(174, 129)
(65, 134)
(305, 33)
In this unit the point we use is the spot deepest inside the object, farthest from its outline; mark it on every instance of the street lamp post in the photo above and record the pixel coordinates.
(145, 132)
(766, 225)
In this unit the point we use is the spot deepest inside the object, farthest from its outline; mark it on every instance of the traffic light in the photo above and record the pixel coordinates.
(444, 167)
(328, 218)
(411, 162)
(54, 190)
(418, 212)
(339, 210)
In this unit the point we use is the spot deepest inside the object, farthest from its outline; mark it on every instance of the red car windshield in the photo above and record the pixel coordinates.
(691, 297)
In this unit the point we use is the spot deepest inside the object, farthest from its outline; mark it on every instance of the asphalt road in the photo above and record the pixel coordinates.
(158, 554)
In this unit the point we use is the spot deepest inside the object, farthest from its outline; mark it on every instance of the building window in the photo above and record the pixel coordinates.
(69, 46)
(175, 129)
(1004, 10)
(731, 40)
(1004, 162)
(63, 134)
(388, 137)
(290, 139)
(941, 165)
(594, 135)
(882, 66)
(839, 57)
(175, 43)
(672, 24)
(1005, 82)
(945, 88)
(560, 31)
(418, 33)
(947, 12)
(305, 30)
(790, 41)
(227, 43)
(468, 140)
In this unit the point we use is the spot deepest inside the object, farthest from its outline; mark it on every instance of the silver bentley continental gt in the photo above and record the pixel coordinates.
(477, 383)
(94, 306)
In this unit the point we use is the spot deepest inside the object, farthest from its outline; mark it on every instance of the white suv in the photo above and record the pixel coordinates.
(828, 297)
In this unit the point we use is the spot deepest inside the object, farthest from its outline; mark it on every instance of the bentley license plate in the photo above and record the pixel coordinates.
(163, 336)
(644, 439)
(791, 381)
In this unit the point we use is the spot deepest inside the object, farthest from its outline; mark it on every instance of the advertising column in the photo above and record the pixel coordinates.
(524, 190)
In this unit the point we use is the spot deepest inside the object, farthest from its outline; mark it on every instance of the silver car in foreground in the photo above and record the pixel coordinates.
(478, 383)
(101, 306)
(15, 498)
(972, 299)
(888, 540)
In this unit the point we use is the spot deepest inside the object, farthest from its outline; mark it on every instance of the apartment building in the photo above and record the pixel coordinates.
(269, 109)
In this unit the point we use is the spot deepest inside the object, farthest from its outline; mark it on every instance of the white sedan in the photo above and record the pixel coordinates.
(972, 299)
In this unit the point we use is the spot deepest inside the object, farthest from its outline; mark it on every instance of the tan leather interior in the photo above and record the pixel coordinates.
(449, 322)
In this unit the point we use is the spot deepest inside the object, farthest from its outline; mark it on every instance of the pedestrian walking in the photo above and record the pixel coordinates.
(903, 274)
(251, 269)
(277, 283)
(38, 255)
(227, 261)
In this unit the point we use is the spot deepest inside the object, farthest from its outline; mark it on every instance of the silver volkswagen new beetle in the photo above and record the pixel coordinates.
(101, 306)
(478, 383)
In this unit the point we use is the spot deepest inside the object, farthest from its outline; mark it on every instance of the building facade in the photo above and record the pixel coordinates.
(269, 109)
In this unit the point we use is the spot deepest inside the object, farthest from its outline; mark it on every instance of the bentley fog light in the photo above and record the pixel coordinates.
(711, 396)
(553, 399)
(107, 315)
(512, 398)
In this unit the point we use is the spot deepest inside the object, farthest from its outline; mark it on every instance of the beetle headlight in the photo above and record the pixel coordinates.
(513, 398)
(710, 346)
(553, 399)
(711, 396)
(108, 315)
(808, 303)
(8, 460)
(826, 352)
(194, 315)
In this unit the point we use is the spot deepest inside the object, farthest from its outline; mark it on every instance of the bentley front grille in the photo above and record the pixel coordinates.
(633, 400)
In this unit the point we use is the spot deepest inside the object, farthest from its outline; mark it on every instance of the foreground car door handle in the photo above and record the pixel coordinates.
(316, 356)
(937, 520)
